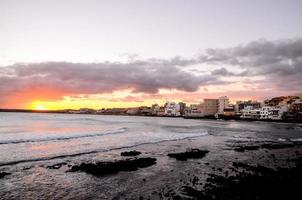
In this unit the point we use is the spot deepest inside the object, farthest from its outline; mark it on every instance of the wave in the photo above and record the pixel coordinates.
(296, 140)
(109, 132)
(96, 151)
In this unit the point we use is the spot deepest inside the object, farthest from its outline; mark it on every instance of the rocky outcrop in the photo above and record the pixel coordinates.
(130, 153)
(192, 153)
(2, 174)
(246, 146)
(103, 168)
(251, 182)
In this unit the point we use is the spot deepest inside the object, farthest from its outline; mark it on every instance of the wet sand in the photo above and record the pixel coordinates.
(227, 169)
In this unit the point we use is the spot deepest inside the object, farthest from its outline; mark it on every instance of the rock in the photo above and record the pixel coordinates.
(246, 148)
(195, 180)
(103, 168)
(193, 193)
(27, 168)
(193, 153)
(256, 182)
(266, 145)
(2, 174)
(130, 153)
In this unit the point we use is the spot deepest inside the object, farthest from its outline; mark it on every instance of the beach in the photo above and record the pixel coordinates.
(50, 156)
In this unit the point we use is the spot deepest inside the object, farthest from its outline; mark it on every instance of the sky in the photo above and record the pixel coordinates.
(58, 54)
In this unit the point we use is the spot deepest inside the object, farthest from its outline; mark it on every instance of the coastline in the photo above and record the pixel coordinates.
(222, 167)
(109, 114)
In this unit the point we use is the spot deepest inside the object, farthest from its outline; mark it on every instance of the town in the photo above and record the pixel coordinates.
(284, 108)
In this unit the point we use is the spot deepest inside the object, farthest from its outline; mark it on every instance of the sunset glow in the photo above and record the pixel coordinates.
(39, 107)
(128, 56)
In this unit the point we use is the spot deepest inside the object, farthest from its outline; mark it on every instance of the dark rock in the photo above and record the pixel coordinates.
(130, 153)
(2, 174)
(277, 145)
(257, 182)
(267, 146)
(195, 180)
(193, 153)
(193, 193)
(103, 168)
(27, 168)
(246, 148)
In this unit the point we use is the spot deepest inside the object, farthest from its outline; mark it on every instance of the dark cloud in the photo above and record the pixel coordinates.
(224, 72)
(146, 76)
(279, 61)
(260, 57)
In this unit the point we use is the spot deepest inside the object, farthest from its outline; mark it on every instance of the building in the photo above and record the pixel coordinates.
(294, 112)
(296, 106)
(265, 112)
(207, 108)
(182, 107)
(132, 111)
(155, 109)
(240, 105)
(223, 102)
(85, 111)
(275, 114)
(112, 111)
(210, 107)
(161, 111)
(250, 113)
(172, 109)
(229, 112)
(277, 100)
(194, 110)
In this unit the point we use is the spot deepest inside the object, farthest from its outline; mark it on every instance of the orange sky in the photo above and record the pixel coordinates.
(51, 99)
(96, 54)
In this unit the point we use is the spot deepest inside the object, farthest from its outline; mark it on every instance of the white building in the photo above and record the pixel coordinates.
(172, 109)
(250, 113)
(277, 112)
(265, 112)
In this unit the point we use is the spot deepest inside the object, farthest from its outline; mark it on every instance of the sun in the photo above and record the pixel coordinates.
(40, 107)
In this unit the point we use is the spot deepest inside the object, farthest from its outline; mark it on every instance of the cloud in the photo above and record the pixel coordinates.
(279, 63)
(261, 57)
(146, 76)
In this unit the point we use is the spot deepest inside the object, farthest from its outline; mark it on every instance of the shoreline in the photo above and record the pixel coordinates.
(183, 117)
(225, 165)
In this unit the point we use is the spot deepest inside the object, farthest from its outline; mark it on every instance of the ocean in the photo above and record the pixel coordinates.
(29, 142)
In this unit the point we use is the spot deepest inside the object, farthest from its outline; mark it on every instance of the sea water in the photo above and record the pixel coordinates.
(35, 139)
